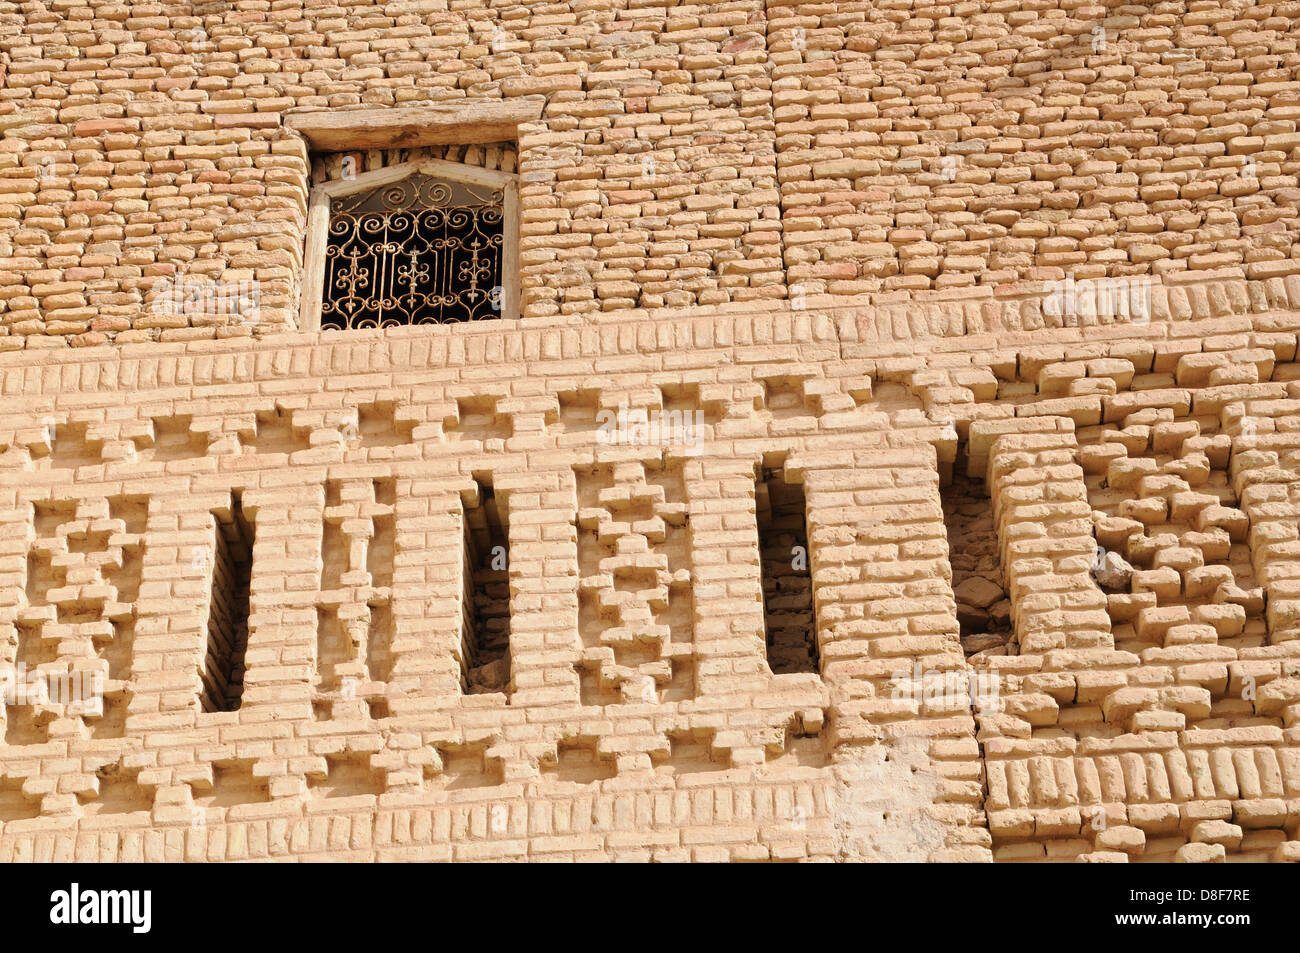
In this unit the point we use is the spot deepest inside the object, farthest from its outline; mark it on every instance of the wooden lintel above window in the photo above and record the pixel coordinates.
(463, 122)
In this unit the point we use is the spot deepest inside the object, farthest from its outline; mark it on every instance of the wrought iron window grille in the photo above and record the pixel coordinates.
(428, 242)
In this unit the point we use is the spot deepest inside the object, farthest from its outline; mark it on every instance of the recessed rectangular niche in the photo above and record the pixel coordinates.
(382, 550)
(485, 606)
(788, 616)
(983, 609)
(333, 646)
(379, 642)
(227, 641)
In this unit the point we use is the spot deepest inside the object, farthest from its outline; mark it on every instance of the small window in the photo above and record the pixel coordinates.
(428, 242)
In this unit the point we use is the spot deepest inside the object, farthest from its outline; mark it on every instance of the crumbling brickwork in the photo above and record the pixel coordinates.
(896, 455)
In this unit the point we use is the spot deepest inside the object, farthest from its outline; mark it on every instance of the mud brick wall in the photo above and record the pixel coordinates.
(686, 154)
(1142, 708)
(937, 145)
(1147, 706)
(1053, 557)
(144, 143)
(640, 720)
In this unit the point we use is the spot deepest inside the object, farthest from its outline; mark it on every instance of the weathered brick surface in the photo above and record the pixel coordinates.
(932, 145)
(592, 747)
(717, 757)
(687, 154)
(144, 143)
(1052, 546)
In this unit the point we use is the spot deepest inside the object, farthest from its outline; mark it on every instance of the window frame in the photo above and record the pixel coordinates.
(318, 220)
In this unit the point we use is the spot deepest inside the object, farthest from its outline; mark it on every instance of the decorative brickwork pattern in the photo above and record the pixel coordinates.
(896, 455)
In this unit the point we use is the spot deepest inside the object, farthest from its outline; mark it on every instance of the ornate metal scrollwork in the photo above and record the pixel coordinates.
(418, 251)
